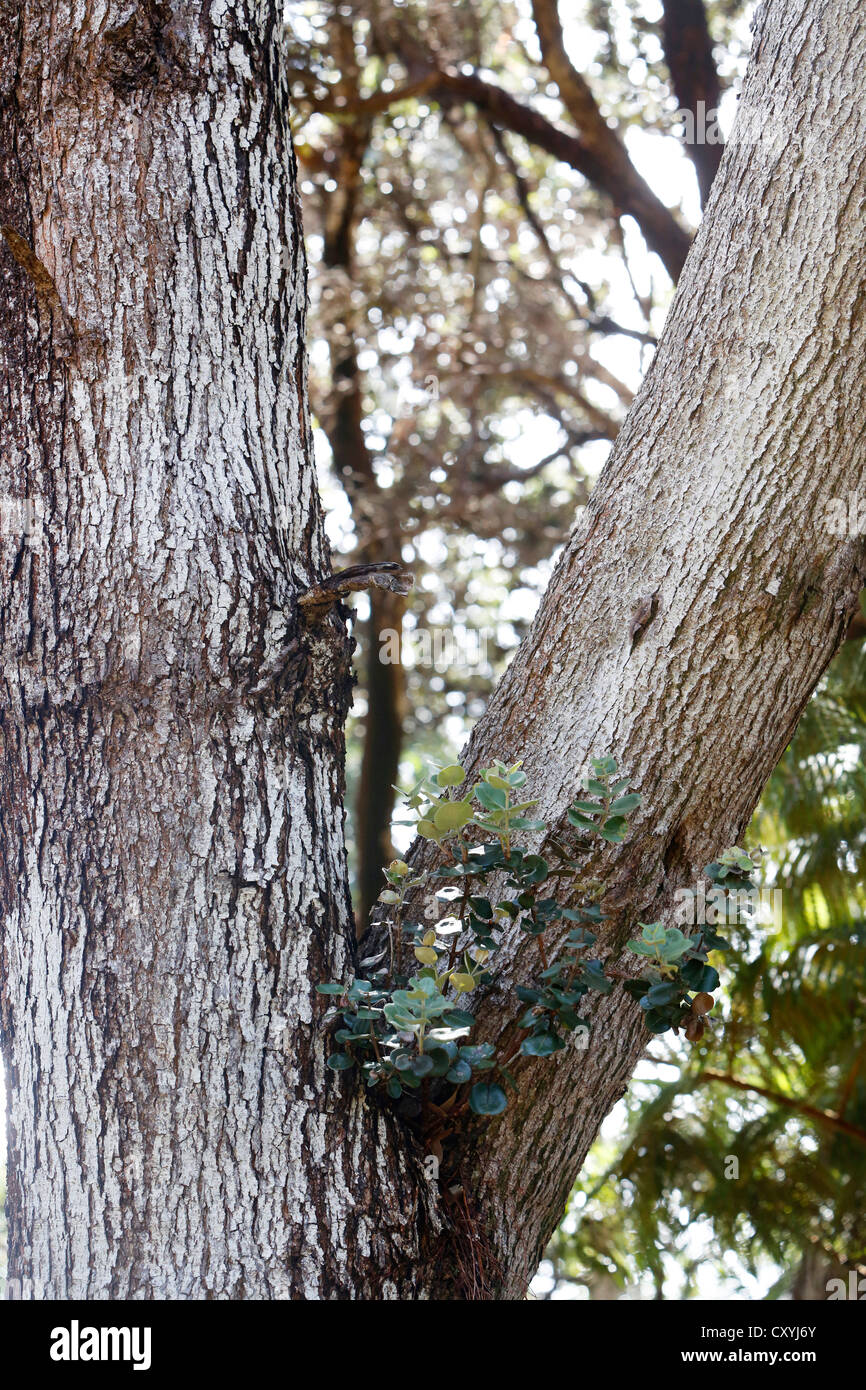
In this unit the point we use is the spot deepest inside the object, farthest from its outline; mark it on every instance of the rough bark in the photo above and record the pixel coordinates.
(171, 862)
(172, 868)
(715, 499)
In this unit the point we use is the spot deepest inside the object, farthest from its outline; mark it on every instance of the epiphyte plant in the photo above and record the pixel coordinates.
(403, 1021)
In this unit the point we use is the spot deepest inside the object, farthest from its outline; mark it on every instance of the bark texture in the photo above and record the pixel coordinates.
(716, 499)
(171, 855)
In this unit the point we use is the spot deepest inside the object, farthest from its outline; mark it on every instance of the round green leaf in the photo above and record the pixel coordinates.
(459, 1072)
(658, 1020)
(486, 1098)
(340, 1061)
(463, 982)
(541, 1045)
(452, 815)
(458, 1018)
(451, 776)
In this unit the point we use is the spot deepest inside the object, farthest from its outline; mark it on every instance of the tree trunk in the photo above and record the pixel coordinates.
(171, 858)
(688, 50)
(378, 535)
(173, 871)
(722, 497)
(383, 742)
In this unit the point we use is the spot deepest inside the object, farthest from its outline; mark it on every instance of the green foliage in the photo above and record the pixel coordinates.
(403, 1030)
(770, 1088)
(675, 991)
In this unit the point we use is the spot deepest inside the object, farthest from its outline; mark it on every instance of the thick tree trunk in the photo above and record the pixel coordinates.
(173, 874)
(171, 861)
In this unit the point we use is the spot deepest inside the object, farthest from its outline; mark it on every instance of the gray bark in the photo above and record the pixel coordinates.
(172, 872)
(721, 497)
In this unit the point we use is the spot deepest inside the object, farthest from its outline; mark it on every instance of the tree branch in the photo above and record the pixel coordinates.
(385, 574)
(598, 155)
(599, 323)
(688, 49)
(609, 170)
(802, 1107)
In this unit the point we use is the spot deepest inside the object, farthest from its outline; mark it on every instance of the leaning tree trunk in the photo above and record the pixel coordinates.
(719, 517)
(171, 861)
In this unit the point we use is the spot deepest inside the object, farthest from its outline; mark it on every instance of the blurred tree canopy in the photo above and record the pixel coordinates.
(489, 272)
(779, 1087)
(498, 200)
